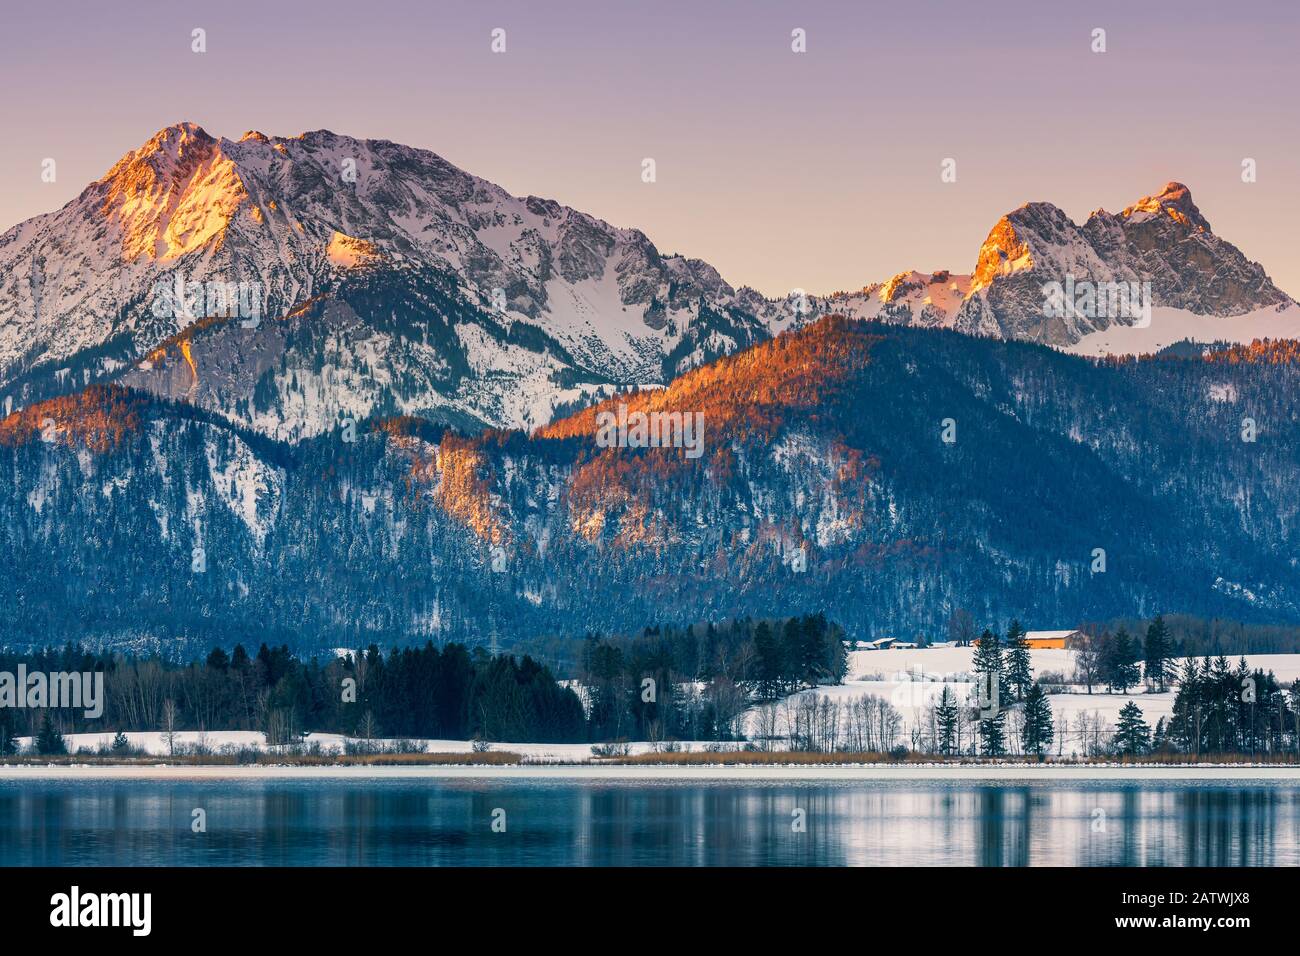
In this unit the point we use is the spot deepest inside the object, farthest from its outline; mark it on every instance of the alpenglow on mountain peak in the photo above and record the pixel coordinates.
(430, 290)
(388, 281)
(1162, 240)
(1174, 201)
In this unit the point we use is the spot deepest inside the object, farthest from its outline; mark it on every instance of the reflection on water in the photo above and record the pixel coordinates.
(439, 823)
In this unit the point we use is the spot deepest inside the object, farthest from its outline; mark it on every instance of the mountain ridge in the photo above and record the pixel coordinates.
(272, 212)
(386, 281)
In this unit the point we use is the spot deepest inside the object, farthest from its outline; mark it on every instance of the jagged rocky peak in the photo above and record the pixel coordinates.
(1174, 201)
(900, 284)
(175, 194)
(1162, 243)
(169, 148)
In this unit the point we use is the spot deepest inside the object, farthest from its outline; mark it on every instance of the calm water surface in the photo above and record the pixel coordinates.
(449, 823)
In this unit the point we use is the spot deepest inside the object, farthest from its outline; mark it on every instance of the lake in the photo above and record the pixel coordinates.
(634, 823)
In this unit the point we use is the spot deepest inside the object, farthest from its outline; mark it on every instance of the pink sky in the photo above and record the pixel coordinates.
(817, 170)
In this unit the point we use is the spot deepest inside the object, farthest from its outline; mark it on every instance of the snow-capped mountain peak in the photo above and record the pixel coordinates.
(1158, 254)
(174, 195)
(286, 282)
(288, 221)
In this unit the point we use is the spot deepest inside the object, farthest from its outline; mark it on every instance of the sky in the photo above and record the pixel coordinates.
(817, 170)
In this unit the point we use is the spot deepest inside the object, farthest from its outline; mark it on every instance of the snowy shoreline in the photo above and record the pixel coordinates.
(1006, 773)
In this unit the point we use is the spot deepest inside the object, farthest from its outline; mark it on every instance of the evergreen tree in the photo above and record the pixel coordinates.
(1220, 696)
(1132, 736)
(993, 739)
(1038, 730)
(1158, 736)
(49, 740)
(1182, 730)
(804, 651)
(120, 743)
(946, 717)
(1121, 668)
(1156, 652)
(1019, 671)
(987, 664)
(770, 661)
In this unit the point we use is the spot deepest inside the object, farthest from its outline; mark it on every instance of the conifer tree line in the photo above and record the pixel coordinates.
(703, 677)
(430, 692)
(665, 683)
(678, 683)
(1120, 661)
(1005, 684)
(1224, 709)
(1218, 708)
(1187, 635)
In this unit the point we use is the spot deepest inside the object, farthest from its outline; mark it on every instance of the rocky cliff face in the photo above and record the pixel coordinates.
(1161, 240)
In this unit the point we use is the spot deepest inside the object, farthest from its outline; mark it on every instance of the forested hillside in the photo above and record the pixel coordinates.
(884, 476)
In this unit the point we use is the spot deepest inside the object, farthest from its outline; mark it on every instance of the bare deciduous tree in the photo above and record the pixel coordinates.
(169, 724)
(961, 627)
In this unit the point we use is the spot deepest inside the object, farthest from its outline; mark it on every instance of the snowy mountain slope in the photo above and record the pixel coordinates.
(290, 283)
(291, 218)
(1171, 326)
(931, 300)
(392, 341)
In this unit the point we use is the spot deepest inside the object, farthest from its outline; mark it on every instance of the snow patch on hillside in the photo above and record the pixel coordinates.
(1169, 326)
(247, 486)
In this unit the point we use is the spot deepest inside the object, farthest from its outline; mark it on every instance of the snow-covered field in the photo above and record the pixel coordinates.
(155, 743)
(912, 680)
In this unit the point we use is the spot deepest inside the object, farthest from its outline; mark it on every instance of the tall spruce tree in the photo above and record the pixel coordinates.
(1132, 736)
(987, 664)
(993, 736)
(768, 648)
(991, 684)
(1156, 653)
(1019, 670)
(946, 717)
(1036, 737)
(1122, 671)
(1185, 723)
(48, 739)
